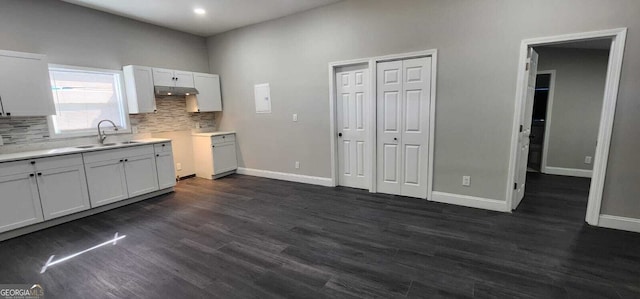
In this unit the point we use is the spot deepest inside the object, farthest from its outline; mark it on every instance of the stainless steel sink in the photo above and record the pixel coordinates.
(107, 144)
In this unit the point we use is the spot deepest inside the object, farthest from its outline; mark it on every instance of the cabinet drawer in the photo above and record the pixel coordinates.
(59, 162)
(23, 166)
(164, 147)
(223, 138)
(114, 154)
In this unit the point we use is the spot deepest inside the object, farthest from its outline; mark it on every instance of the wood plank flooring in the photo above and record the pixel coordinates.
(248, 237)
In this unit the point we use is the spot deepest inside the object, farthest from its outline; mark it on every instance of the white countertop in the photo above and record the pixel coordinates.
(73, 150)
(210, 134)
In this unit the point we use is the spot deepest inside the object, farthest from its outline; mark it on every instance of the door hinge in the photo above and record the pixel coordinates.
(526, 68)
(521, 128)
(515, 186)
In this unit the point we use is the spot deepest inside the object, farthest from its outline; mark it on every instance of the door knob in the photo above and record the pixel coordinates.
(339, 134)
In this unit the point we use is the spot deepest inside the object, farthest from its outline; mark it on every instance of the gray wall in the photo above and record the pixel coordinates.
(577, 103)
(74, 35)
(478, 44)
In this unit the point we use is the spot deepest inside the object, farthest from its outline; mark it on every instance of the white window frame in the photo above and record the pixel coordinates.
(94, 131)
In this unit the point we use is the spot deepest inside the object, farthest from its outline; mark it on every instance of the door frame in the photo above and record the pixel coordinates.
(547, 120)
(372, 63)
(614, 69)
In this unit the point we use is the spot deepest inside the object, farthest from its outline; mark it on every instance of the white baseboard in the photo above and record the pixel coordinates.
(314, 180)
(622, 223)
(583, 173)
(471, 201)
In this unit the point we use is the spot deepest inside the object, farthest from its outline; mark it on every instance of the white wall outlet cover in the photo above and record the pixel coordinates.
(297, 164)
(1, 141)
(466, 180)
(134, 129)
(178, 166)
(295, 117)
(197, 125)
(588, 159)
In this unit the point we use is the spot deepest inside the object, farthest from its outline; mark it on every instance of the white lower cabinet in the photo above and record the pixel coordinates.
(216, 154)
(107, 182)
(20, 201)
(63, 191)
(118, 174)
(164, 164)
(142, 175)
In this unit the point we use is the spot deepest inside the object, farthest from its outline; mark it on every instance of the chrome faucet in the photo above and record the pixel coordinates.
(101, 135)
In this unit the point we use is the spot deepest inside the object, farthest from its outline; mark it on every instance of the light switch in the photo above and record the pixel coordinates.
(295, 117)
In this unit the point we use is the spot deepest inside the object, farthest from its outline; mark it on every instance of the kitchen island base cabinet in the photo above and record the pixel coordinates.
(20, 201)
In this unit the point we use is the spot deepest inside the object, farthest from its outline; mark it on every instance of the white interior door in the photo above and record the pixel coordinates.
(353, 104)
(525, 128)
(404, 95)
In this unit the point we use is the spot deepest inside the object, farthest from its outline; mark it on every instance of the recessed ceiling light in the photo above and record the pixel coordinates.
(200, 11)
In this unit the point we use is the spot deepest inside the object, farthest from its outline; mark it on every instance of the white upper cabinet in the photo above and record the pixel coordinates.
(139, 85)
(172, 78)
(208, 98)
(25, 87)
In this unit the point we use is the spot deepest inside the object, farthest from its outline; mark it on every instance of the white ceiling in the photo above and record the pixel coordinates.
(221, 16)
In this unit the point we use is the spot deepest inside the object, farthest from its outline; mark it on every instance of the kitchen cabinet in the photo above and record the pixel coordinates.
(172, 78)
(19, 201)
(118, 174)
(62, 185)
(138, 81)
(208, 98)
(164, 165)
(215, 153)
(25, 87)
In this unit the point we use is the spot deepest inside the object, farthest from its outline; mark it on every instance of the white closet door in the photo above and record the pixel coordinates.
(389, 126)
(415, 126)
(403, 98)
(352, 88)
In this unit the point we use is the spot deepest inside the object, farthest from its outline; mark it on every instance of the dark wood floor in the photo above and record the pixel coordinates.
(248, 237)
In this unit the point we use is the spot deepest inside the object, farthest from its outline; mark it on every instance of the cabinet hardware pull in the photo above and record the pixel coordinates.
(39, 173)
(163, 144)
(8, 114)
(33, 162)
(157, 155)
(32, 175)
(126, 160)
(121, 160)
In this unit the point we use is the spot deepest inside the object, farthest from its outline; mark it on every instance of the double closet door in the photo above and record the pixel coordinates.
(403, 104)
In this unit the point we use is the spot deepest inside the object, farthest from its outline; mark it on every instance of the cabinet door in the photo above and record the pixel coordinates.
(142, 175)
(19, 203)
(107, 182)
(163, 77)
(224, 158)
(63, 191)
(25, 87)
(184, 79)
(166, 171)
(208, 98)
(139, 86)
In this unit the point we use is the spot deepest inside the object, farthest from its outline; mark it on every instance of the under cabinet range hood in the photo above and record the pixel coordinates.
(174, 91)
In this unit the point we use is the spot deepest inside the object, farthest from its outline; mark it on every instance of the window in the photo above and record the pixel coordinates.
(83, 97)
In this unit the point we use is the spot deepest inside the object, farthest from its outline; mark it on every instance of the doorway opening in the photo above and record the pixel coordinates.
(566, 96)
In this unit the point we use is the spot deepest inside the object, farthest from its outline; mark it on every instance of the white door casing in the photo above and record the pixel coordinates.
(525, 129)
(403, 119)
(353, 104)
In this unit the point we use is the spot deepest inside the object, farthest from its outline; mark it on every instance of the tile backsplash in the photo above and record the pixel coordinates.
(26, 133)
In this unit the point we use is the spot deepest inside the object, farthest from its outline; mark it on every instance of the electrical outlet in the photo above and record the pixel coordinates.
(197, 125)
(297, 165)
(466, 180)
(134, 129)
(178, 166)
(588, 159)
(1, 141)
(295, 117)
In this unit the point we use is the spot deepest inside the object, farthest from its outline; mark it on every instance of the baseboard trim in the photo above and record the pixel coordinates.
(53, 222)
(283, 176)
(471, 201)
(622, 223)
(583, 173)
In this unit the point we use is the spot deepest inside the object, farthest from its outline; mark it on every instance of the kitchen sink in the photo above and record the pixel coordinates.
(107, 144)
